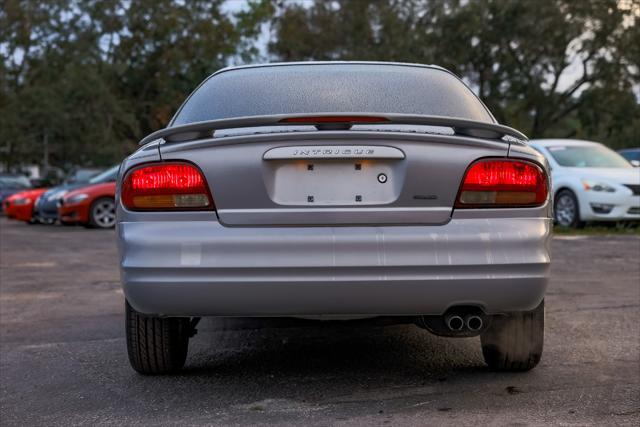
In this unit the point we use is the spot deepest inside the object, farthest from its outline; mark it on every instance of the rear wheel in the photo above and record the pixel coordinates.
(514, 342)
(567, 210)
(157, 345)
(103, 213)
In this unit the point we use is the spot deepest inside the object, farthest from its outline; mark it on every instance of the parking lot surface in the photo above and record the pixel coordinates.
(63, 357)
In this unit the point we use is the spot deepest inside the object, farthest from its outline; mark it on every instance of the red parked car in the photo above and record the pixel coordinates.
(92, 206)
(20, 205)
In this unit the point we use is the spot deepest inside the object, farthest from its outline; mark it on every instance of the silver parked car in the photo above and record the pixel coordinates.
(335, 190)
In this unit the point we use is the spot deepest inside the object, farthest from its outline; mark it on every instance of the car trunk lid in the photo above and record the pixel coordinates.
(334, 177)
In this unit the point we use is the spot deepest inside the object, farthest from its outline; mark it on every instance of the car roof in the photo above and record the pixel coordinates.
(550, 142)
(295, 63)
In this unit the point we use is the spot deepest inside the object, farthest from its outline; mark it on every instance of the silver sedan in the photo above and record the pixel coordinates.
(335, 190)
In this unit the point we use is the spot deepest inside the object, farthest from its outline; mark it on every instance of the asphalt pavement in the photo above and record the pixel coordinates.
(63, 357)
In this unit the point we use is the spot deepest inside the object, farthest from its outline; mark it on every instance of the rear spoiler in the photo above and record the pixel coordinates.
(334, 121)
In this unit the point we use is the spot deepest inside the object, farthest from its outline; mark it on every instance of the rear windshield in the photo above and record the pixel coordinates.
(588, 156)
(332, 88)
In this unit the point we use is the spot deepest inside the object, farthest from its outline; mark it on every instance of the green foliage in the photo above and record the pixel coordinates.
(87, 79)
(83, 80)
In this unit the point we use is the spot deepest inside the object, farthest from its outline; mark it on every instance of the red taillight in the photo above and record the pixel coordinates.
(493, 183)
(166, 186)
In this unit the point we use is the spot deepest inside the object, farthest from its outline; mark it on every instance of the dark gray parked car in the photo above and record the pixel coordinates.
(339, 190)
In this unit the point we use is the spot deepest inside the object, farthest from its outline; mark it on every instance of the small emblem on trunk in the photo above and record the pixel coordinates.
(332, 152)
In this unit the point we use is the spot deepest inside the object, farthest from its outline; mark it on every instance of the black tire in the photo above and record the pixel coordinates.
(514, 342)
(567, 210)
(156, 345)
(95, 218)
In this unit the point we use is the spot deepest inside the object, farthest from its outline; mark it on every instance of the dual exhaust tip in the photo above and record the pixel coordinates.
(458, 323)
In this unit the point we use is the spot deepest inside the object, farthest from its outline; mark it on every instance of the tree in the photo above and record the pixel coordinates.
(82, 81)
(535, 63)
(85, 80)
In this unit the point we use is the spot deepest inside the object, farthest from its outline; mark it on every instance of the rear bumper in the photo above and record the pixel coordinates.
(203, 268)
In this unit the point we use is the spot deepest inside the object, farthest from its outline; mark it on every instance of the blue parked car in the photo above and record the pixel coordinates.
(46, 208)
(631, 154)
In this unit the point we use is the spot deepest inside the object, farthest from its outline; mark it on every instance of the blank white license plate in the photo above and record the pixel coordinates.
(317, 182)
